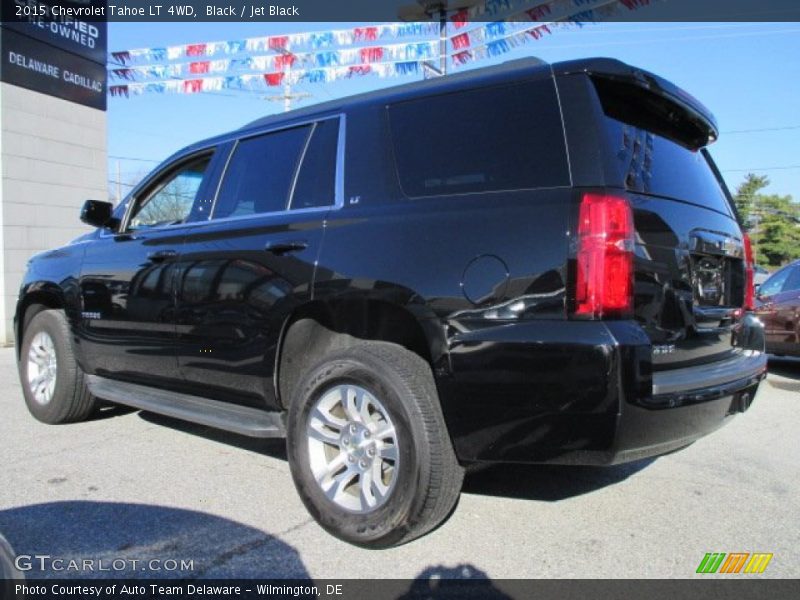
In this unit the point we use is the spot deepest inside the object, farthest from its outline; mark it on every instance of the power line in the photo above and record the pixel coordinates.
(786, 128)
(652, 41)
(148, 160)
(753, 169)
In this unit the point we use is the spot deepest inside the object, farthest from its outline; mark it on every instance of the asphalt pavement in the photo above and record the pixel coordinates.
(139, 494)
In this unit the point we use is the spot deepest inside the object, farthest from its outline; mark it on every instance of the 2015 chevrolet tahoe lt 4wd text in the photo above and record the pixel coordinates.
(525, 263)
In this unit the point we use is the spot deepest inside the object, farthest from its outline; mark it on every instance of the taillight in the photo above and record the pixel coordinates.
(604, 276)
(749, 286)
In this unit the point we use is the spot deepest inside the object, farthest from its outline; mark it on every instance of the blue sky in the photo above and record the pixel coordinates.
(748, 74)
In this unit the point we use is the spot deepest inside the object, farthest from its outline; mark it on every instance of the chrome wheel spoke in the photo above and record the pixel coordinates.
(333, 467)
(327, 418)
(42, 368)
(386, 431)
(353, 403)
(372, 490)
(340, 482)
(362, 404)
(324, 427)
(367, 498)
(319, 433)
(361, 475)
(387, 452)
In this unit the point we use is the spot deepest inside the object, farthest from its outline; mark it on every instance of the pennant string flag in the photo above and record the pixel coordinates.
(479, 44)
(310, 41)
(325, 62)
(577, 11)
(423, 50)
(298, 41)
(251, 81)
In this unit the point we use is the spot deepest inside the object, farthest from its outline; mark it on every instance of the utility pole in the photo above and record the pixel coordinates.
(428, 9)
(119, 184)
(287, 95)
(442, 39)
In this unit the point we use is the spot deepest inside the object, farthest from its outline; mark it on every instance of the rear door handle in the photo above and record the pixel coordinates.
(161, 255)
(281, 248)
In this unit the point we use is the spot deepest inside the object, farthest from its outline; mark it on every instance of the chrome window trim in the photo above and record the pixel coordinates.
(319, 209)
(147, 182)
(252, 137)
(299, 166)
(338, 182)
(219, 182)
(340, 154)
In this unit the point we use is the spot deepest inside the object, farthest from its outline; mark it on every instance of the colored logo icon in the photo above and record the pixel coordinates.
(735, 562)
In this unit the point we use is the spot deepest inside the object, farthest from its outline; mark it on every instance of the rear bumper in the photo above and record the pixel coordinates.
(585, 393)
(680, 387)
(643, 432)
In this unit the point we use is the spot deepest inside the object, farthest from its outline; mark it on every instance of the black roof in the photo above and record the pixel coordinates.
(503, 72)
(474, 77)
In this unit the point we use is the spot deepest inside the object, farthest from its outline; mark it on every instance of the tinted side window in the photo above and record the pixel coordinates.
(774, 285)
(500, 138)
(171, 199)
(316, 181)
(260, 173)
(793, 281)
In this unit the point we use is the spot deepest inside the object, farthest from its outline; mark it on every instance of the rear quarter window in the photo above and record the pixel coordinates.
(490, 139)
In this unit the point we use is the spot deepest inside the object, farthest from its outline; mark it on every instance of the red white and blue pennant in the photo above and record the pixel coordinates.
(274, 60)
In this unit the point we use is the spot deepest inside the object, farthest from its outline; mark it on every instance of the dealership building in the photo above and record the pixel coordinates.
(53, 142)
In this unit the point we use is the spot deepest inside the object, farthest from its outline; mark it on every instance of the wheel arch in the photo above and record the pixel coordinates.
(320, 326)
(34, 299)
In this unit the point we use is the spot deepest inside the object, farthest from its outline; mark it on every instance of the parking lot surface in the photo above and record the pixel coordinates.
(133, 486)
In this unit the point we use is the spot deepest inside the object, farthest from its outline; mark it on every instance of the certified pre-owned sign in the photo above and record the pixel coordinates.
(61, 25)
(53, 51)
(42, 68)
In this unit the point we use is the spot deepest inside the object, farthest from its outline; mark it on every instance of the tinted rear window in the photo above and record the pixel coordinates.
(316, 181)
(652, 153)
(499, 138)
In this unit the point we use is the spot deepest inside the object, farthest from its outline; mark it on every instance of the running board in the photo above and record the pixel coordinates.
(213, 413)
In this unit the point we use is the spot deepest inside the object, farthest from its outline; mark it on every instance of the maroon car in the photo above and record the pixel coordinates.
(778, 306)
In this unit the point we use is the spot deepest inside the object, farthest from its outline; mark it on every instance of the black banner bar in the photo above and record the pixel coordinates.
(743, 588)
(144, 11)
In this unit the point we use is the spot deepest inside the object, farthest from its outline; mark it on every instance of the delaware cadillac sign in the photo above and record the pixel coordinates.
(53, 52)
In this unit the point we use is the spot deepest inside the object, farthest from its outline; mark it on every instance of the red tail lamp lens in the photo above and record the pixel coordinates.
(604, 282)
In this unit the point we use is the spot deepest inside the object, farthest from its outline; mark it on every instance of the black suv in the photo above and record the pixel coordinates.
(526, 263)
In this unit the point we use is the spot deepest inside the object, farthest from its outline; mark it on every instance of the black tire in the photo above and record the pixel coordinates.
(429, 478)
(71, 400)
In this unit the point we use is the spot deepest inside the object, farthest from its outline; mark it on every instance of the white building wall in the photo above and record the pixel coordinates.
(52, 158)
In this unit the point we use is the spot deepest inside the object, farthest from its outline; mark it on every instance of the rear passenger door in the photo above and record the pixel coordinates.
(246, 269)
